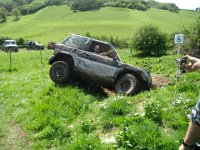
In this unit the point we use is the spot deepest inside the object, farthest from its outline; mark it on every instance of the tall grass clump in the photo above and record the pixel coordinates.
(142, 133)
(153, 111)
(87, 142)
(115, 112)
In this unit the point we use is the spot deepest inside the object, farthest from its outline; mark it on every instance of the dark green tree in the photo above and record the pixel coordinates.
(16, 13)
(85, 5)
(3, 15)
(192, 39)
(8, 4)
(149, 40)
(55, 2)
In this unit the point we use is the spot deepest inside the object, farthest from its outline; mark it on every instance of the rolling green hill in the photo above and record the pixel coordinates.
(55, 22)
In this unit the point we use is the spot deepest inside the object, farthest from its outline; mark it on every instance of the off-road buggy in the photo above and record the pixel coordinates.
(76, 56)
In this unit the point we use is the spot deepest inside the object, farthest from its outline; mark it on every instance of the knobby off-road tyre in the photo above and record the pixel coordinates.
(60, 72)
(127, 84)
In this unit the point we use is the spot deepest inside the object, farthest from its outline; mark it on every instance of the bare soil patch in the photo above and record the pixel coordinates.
(159, 81)
(16, 138)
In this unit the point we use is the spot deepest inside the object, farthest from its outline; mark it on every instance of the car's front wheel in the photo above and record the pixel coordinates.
(127, 84)
(60, 72)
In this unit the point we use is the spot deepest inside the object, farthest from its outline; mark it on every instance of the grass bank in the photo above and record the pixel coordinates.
(81, 115)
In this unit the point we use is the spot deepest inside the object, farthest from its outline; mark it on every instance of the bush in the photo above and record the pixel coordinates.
(20, 41)
(168, 6)
(2, 39)
(192, 39)
(149, 40)
(137, 4)
(115, 41)
(55, 2)
(32, 8)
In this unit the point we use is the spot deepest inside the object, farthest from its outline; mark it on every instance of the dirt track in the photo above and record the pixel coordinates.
(159, 81)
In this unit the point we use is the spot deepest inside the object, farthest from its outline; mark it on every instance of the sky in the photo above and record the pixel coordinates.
(183, 4)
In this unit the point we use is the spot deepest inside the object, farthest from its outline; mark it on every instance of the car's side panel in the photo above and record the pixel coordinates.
(94, 69)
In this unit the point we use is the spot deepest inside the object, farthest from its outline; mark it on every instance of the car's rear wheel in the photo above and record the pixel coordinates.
(60, 72)
(127, 84)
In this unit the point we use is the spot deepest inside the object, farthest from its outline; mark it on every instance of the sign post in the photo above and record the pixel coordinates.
(178, 40)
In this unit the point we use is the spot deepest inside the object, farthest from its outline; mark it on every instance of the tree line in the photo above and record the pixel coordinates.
(24, 7)
(131, 4)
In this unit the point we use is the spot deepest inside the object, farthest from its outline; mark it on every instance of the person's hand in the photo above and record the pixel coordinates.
(194, 63)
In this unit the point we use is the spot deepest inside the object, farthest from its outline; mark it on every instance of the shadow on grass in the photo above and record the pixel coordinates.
(88, 87)
(8, 70)
(145, 55)
(2, 21)
(16, 19)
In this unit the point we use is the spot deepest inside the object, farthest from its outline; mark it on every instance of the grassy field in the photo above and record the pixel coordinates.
(56, 22)
(37, 114)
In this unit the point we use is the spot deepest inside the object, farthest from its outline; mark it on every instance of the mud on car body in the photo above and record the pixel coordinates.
(76, 56)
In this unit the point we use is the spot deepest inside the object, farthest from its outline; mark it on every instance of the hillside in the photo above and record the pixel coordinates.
(55, 22)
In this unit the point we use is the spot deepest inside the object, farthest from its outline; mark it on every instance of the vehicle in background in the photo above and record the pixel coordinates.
(51, 45)
(10, 45)
(34, 46)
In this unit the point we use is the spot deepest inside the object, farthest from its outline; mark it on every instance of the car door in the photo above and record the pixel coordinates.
(96, 66)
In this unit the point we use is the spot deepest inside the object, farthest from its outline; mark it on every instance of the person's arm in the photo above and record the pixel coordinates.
(106, 53)
(192, 136)
(194, 63)
(193, 133)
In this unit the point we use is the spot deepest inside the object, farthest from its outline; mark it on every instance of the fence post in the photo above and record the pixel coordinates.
(42, 67)
(10, 59)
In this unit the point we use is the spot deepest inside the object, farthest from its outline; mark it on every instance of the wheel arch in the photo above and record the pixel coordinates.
(127, 71)
(141, 84)
(64, 57)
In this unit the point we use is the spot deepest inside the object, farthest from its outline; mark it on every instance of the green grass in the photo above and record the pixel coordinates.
(79, 114)
(56, 22)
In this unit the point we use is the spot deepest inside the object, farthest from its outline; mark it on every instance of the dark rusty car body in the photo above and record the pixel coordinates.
(77, 54)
